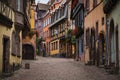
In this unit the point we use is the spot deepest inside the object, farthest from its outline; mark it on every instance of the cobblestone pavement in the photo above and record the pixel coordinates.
(60, 69)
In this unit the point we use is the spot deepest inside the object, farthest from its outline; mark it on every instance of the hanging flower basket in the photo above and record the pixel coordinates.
(78, 31)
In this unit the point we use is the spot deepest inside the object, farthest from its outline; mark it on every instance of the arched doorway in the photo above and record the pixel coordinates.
(101, 51)
(112, 42)
(92, 46)
(117, 49)
(28, 51)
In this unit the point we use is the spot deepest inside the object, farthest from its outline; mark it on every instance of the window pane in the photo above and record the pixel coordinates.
(18, 5)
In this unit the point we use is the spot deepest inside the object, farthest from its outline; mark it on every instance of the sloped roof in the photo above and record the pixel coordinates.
(42, 6)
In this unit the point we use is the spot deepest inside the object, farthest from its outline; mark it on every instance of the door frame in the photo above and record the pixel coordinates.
(101, 48)
(6, 66)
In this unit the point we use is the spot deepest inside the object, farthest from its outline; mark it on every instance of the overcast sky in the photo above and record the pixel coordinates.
(42, 1)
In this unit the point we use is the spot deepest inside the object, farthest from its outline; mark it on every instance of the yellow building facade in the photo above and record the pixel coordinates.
(8, 61)
(31, 37)
(32, 14)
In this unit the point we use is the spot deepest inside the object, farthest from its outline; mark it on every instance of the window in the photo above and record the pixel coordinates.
(97, 24)
(13, 44)
(87, 37)
(18, 5)
(54, 17)
(87, 5)
(94, 3)
(52, 32)
(56, 0)
(5, 1)
(48, 20)
(103, 20)
(76, 21)
(45, 23)
(54, 45)
(16, 43)
(51, 19)
(63, 11)
(61, 26)
(57, 15)
(60, 45)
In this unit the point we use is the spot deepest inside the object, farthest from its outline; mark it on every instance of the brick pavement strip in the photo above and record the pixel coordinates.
(60, 69)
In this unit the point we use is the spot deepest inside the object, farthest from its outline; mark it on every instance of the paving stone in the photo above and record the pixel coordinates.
(60, 69)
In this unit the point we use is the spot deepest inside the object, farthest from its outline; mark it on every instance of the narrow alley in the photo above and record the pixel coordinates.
(60, 69)
(59, 39)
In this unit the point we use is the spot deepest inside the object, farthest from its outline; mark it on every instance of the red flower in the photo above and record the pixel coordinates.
(75, 31)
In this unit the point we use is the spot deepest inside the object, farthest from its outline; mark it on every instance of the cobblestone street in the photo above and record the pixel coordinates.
(60, 69)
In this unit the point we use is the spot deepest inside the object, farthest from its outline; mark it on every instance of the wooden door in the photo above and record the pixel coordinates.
(6, 54)
(101, 49)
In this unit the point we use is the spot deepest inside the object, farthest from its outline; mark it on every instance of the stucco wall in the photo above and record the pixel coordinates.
(4, 31)
(115, 15)
(8, 32)
(90, 22)
(32, 20)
